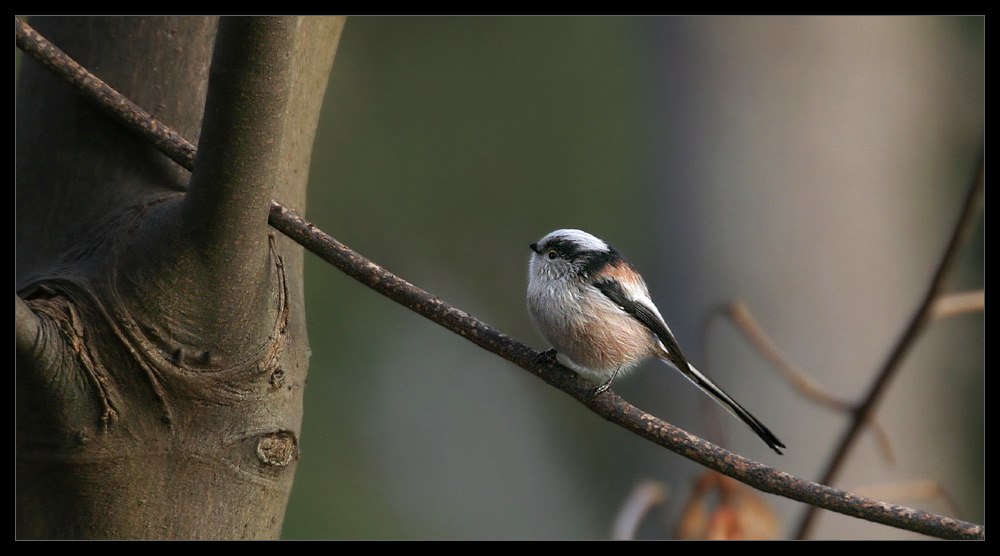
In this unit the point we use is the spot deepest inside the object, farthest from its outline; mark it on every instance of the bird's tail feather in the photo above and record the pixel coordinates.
(703, 382)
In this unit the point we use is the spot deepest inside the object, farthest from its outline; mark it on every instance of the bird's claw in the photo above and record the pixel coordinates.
(546, 357)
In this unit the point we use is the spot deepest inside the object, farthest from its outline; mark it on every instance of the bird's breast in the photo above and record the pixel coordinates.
(585, 326)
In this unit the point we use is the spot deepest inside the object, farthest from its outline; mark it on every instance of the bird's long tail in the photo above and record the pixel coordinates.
(727, 402)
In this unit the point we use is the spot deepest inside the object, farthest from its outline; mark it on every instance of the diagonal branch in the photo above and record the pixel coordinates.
(113, 103)
(923, 316)
(739, 313)
(608, 405)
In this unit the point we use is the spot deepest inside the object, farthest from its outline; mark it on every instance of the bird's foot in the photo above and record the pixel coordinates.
(546, 357)
(600, 389)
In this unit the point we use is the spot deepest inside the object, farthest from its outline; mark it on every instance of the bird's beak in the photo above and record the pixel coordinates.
(534, 247)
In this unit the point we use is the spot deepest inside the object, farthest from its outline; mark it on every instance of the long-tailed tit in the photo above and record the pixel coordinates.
(594, 308)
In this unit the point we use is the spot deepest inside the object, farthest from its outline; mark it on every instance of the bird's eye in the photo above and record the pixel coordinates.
(552, 254)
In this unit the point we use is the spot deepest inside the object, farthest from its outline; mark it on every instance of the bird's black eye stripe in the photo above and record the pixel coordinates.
(589, 261)
(558, 247)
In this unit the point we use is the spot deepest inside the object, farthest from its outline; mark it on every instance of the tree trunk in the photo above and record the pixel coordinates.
(160, 327)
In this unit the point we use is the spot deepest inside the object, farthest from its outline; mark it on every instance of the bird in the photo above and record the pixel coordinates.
(594, 308)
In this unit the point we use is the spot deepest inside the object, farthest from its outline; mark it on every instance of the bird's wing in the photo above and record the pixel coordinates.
(651, 319)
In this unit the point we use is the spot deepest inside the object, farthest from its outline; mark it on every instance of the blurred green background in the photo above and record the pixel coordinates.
(810, 166)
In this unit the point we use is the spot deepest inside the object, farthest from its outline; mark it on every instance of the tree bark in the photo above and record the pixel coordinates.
(161, 347)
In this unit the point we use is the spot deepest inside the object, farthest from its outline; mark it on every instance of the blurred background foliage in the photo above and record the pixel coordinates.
(810, 166)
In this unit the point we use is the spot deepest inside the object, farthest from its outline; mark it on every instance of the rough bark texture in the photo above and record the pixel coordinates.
(138, 416)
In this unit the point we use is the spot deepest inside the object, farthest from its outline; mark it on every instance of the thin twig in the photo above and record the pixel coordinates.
(924, 315)
(644, 497)
(607, 404)
(945, 306)
(740, 314)
(959, 304)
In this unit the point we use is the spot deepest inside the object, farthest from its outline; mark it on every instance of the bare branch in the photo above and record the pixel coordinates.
(739, 312)
(236, 169)
(924, 315)
(920, 489)
(644, 497)
(27, 327)
(959, 304)
(607, 404)
(126, 112)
